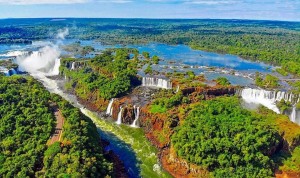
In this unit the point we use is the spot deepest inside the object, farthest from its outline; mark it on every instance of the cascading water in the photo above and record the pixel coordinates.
(269, 99)
(109, 107)
(177, 89)
(156, 82)
(44, 62)
(4, 71)
(293, 114)
(12, 72)
(73, 66)
(119, 121)
(137, 114)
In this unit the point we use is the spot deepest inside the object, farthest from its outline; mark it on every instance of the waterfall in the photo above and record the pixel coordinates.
(177, 89)
(109, 107)
(73, 66)
(137, 114)
(269, 99)
(12, 72)
(156, 82)
(4, 71)
(45, 61)
(119, 121)
(293, 114)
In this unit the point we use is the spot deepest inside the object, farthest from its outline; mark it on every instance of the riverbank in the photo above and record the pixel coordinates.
(139, 156)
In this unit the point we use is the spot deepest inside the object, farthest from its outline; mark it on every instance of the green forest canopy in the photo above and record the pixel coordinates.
(26, 123)
(226, 139)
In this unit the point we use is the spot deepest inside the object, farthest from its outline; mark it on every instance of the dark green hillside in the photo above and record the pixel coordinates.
(26, 122)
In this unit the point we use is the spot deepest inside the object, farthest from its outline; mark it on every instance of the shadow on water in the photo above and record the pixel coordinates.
(124, 152)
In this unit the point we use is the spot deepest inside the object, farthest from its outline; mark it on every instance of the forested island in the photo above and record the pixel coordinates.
(166, 117)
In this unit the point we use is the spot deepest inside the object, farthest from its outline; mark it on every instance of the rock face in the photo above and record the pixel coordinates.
(130, 105)
(180, 168)
(75, 65)
(128, 115)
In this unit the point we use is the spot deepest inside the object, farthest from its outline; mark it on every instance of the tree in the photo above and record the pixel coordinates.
(222, 81)
(148, 70)
(155, 59)
(146, 54)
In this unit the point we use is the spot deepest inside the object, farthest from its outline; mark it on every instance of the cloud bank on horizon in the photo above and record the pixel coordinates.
(232, 9)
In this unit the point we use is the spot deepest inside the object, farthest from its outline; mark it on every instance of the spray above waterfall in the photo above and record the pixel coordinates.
(44, 61)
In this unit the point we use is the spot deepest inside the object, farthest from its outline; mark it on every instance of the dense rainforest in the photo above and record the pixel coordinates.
(108, 75)
(27, 121)
(217, 137)
(226, 139)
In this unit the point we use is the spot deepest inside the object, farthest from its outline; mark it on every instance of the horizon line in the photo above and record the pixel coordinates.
(150, 18)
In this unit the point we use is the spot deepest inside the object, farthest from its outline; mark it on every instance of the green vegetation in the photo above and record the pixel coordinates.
(76, 48)
(269, 81)
(80, 153)
(282, 71)
(191, 74)
(158, 109)
(222, 81)
(155, 59)
(148, 70)
(106, 76)
(27, 121)
(292, 164)
(283, 105)
(226, 139)
(146, 54)
(26, 125)
(166, 101)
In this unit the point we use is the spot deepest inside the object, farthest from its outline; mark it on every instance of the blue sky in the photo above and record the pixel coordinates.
(220, 9)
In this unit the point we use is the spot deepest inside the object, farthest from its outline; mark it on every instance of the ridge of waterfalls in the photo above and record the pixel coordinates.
(269, 99)
(156, 82)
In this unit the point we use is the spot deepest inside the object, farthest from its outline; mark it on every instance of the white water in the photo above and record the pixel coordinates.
(119, 121)
(4, 70)
(73, 66)
(269, 99)
(15, 54)
(177, 89)
(137, 115)
(45, 61)
(293, 114)
(109, 107)
(7, 72)
(156, 82)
